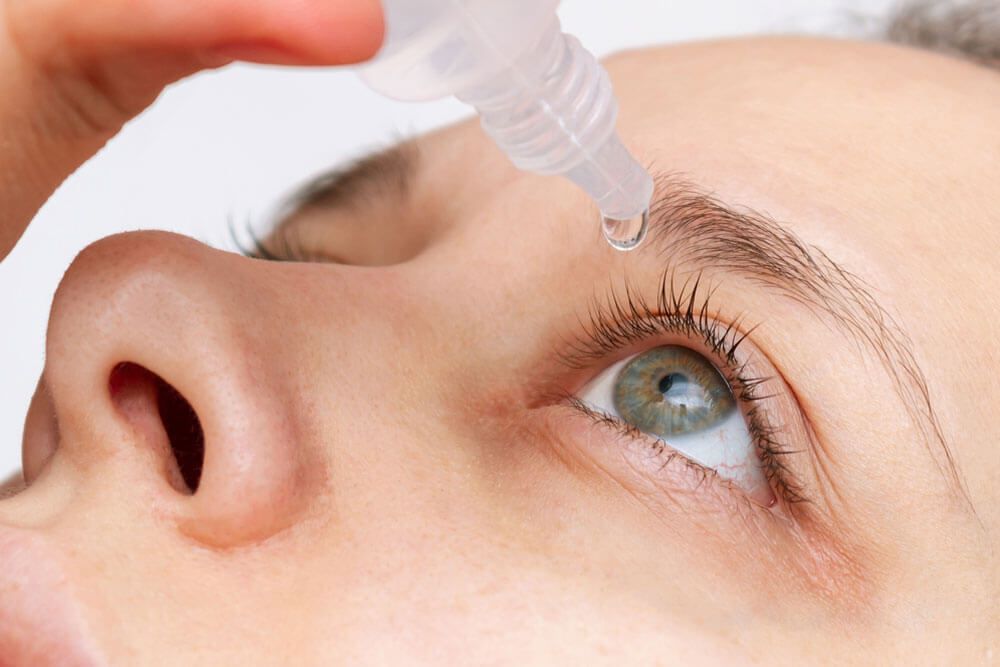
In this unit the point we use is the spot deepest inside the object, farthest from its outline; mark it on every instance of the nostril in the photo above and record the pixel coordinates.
(178, 419)
(187, 441)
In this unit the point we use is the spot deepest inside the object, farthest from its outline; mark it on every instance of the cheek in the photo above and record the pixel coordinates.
(494, 601)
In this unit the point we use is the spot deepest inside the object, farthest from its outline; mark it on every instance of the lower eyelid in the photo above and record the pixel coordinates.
(645, 464)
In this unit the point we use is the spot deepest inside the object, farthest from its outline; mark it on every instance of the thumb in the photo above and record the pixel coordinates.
(73, 72)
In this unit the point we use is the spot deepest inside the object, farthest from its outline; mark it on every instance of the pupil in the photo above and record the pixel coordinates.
(667, 382)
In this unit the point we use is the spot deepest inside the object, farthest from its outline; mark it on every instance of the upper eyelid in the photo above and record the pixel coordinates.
(687, 307)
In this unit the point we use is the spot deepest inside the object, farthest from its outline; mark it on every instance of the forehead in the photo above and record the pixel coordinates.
(843, 131)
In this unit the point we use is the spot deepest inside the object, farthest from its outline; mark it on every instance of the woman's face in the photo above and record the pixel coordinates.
(396, 467)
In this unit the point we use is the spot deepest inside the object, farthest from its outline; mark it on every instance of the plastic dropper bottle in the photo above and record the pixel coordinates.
(541, 96)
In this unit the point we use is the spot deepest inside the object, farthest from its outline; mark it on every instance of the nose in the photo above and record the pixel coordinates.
(157, 366)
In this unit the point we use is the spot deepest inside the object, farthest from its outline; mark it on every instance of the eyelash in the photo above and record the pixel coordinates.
(630, 319)
(288, 249)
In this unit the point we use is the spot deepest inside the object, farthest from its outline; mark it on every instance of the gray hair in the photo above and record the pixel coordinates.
(966, 28)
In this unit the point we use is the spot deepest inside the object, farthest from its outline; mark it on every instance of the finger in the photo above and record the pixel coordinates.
(72, 72)
(306, 32)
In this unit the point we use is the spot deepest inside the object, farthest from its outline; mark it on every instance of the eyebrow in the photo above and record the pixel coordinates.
(687, 223)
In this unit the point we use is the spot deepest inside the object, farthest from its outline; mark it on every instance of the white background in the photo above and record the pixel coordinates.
(228, 144)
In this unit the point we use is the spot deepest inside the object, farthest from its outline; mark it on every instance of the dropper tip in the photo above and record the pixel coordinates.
(628, 234)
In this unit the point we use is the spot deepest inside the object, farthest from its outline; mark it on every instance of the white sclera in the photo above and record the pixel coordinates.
(726, 447)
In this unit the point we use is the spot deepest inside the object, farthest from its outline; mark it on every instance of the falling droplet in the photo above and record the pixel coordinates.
(626, 234)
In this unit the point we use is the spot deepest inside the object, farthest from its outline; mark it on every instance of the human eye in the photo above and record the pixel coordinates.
(676, 395)
(690, 387)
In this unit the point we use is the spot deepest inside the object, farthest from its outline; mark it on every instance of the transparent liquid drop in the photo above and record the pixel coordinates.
(628, 234)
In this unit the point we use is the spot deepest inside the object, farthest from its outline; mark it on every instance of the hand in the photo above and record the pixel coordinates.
(73, 72)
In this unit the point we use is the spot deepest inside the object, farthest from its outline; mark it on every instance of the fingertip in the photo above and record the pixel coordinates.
(314, 32)
(358, 28)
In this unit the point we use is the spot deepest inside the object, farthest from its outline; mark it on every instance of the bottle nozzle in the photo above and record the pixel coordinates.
(622, 190)
(555, 114)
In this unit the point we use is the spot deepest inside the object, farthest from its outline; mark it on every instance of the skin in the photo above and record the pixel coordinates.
(391, 474)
